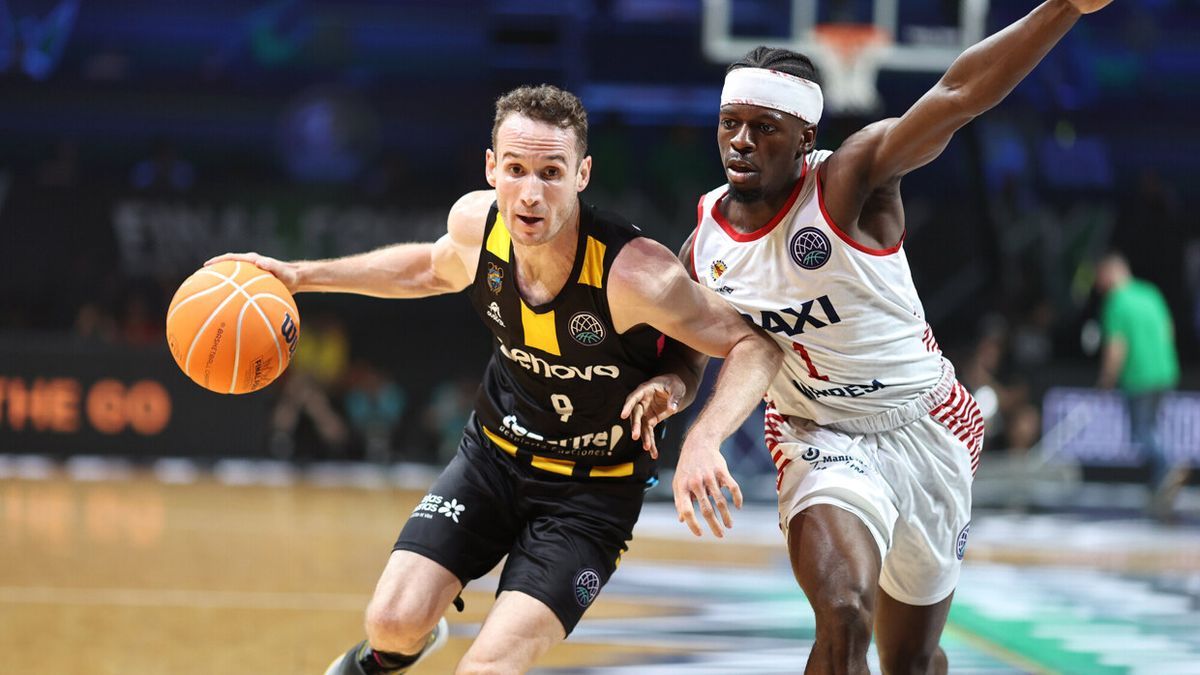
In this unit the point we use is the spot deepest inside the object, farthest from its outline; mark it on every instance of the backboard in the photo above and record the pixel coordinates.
(850, 41)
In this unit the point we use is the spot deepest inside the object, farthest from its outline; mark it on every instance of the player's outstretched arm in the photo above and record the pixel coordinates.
(399, 271)
(977, 80)
(648, 285)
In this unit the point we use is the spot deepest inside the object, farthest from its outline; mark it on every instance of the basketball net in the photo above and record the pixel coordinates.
(849, 59)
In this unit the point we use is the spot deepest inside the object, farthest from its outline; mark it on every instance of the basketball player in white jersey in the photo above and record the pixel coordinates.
(874, 440)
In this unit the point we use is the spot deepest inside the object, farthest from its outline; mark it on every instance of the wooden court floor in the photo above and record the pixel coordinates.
(131, 574)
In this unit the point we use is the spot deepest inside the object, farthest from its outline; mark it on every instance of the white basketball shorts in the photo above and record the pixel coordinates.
(910, 486)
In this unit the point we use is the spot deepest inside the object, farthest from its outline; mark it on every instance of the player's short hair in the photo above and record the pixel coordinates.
(777, 58)
(545, 103)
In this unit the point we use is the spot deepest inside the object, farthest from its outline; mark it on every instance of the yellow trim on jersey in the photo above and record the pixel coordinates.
(564, 467)
(592, 273)
(500, 442)
(613, 471)
(499, 241)
(540, 331)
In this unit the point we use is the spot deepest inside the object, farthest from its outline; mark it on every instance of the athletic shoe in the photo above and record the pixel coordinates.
(359, 660)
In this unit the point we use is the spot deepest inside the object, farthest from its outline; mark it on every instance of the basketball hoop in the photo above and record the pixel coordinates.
(849, 56)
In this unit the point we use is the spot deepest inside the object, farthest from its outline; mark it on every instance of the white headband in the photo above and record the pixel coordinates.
(773, 89)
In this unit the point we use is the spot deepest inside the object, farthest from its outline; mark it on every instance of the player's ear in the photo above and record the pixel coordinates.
(584, 175)
(489, 167)
(809, 138)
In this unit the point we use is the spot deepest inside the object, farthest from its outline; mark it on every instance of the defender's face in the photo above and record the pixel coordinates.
(538, 175)
(760, 147)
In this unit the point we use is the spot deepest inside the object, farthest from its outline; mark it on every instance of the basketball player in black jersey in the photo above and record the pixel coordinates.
(549, 472)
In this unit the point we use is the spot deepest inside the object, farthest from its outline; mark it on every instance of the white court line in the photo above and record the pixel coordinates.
(197, 599)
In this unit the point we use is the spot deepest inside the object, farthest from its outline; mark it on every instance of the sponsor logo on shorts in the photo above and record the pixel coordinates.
(493, 312)
(432, 505)
(960, 548)
(820, 460)
(495, 278)
(587, 586)
(810, 248)
(586, 329)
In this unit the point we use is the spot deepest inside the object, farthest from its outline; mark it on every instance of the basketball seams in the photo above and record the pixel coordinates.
(196, 295)
(187, 362)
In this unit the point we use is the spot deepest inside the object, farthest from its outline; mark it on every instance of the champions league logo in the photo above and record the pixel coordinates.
(810, 248)
(586, 329)
(587, 586)
(495, 278)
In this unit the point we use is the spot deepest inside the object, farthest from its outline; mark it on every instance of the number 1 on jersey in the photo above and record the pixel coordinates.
(562, 406)
(812, 370)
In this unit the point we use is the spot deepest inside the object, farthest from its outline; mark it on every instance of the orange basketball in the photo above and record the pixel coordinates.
(232, 327)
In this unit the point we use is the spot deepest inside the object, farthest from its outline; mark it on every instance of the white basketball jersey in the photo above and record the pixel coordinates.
(847, 317)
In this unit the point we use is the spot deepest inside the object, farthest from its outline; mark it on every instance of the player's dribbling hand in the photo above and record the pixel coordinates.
(699, 477)
(652, 402)
(285, 272)
(1088, 6)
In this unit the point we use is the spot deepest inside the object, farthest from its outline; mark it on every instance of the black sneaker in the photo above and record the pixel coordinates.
(360, 661)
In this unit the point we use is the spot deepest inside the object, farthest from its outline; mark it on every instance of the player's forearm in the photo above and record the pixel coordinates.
(985, 73)
(399, 271)
(745, 375)
(687, 364)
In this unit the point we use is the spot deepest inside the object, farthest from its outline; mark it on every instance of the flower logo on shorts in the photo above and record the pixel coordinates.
(810, 248)
(451, 509)
(960, 548)
(587, 586)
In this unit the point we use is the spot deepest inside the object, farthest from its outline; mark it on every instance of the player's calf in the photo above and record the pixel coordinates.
(912, 660)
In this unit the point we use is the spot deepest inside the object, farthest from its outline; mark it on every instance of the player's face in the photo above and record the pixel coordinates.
(761, 149)
(536, 170)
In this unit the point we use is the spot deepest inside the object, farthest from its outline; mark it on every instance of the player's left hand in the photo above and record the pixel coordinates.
(1088, 6)
(652, 402)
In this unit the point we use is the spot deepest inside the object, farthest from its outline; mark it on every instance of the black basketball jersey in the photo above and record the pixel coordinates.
(559, 373)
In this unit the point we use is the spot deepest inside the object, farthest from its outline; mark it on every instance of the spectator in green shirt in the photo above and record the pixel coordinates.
(1139, 358)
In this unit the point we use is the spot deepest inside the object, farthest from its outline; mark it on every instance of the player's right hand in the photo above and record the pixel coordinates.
(652, 402)
(699, 477)
(286, 272)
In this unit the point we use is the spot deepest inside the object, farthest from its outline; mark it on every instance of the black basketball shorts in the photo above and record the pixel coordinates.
(563, 537)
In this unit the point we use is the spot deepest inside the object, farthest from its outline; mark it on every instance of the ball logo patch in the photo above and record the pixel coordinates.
(810, 248)
(960, 548)
(587, 586)
(586, 329)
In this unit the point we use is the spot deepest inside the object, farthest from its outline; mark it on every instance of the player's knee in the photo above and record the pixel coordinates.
(398, 627)
(912, 659)
(845, 618)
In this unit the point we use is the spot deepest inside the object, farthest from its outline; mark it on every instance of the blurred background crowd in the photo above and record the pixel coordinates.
(139, 138)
